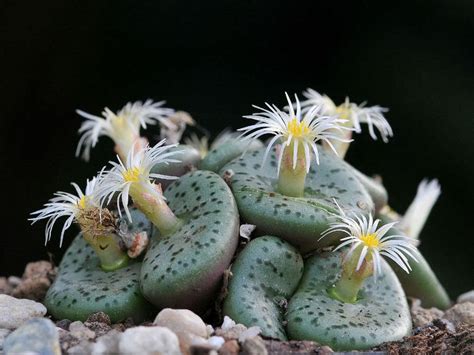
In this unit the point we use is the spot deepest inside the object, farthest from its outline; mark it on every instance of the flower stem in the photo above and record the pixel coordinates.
(137, 143)
(291, 180)
(107, 248)
(149, 199)
(351, 281)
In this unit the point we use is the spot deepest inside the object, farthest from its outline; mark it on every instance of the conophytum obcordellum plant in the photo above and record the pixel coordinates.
(297, 190)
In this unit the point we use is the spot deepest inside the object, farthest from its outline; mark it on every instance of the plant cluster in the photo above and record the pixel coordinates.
(330, 261)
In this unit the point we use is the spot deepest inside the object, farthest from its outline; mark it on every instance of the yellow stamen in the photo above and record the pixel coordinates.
(132, 174)
(370, 240)
(82, 203)
(298, 129)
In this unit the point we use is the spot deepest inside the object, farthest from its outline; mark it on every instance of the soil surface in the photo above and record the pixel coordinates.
(432, 334)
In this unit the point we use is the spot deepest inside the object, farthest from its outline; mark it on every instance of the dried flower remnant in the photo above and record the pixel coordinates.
(98, 226)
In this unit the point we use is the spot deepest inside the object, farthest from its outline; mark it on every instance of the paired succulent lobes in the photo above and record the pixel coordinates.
(82, 288)
(298, 220)
(265, 275)
(380, 315)
(184, 269)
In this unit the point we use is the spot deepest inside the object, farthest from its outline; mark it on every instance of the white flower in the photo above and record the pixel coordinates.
(200, 144)
(293, 127)
(65, 204)
(373, 239)
(419, 210)
(136, 170)
(122, 127)
(314, 98)
(356, 114)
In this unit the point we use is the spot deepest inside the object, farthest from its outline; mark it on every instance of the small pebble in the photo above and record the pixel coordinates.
(187, 325)
(14, 312)
(466, 297)
(230, 330)
(149, 341)
(38, 336)
(63, 324)
(107, 344)
(230, 347)
(254, 346)
(423, 316)
(216, 342)
(461, 313)
(80, 331)
(3, 335)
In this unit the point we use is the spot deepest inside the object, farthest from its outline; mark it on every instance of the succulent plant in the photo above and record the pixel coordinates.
(188, 158)
(96, 273)
(183, 269)
(357, 308)
(277, 188)
(265, 276)
(226, 151)
(296, 190)
(379, 315)
(353, 115)
(82, 288)
(299, 220)
(196, 224)
(422, 282)
(374, 187)
(122, 127)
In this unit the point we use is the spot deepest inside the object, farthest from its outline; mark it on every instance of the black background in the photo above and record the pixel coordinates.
(215, 59)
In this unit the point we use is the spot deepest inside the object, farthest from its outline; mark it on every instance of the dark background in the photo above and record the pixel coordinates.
(215, 59)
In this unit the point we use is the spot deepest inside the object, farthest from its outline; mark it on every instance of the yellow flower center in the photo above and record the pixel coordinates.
(82, 202)
(132, 174)
(118, 121)
(370, 240)
(344, 111)
(298, 129)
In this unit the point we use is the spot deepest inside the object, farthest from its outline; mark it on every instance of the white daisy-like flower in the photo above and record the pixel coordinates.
(314, 98)
(122, 127)
(417, 213)
(200, 144)
(366, 233)
(294, 127)
(373, 116)
(136, 171)
(65, 204)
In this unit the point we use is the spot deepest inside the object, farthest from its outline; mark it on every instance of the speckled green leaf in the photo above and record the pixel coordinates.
(265, 275)
(82, 288)
(297, 220)
(227, 151)
(380, 315)
(188, 157)
(184, 269)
